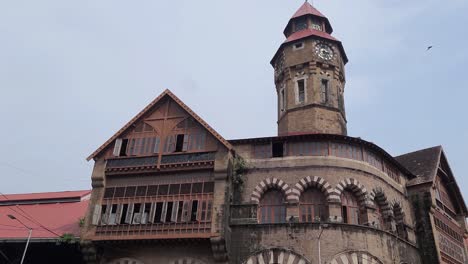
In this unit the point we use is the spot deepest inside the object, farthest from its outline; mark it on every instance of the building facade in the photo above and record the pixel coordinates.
(167, 188)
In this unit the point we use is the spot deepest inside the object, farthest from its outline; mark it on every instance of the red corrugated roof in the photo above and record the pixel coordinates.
(307, 33)
(60, 218)
(307, 9)
(44, 196)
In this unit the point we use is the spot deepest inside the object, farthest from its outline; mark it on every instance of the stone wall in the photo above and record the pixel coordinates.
(302, 239)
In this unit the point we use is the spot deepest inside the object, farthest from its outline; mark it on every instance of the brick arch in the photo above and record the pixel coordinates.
(380, 199)
(274, 183)
(355, 257)
(187, 261)
(318, 182)
(355, 187)
(276, 255)
(398, 213)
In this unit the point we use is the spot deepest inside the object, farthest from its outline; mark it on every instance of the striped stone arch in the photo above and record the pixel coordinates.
(188, 261)
(318, 182)
(274, 183)
(355, 187)
(398, 213)
(380, 199)
(355, 257)
(277, 256)
(125, 261)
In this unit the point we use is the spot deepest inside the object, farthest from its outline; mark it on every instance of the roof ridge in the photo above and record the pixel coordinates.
(420, 150)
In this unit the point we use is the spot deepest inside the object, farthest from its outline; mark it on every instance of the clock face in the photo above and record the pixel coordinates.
(324, 51)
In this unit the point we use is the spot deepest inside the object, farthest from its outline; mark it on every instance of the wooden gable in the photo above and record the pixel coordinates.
(447, 190)
(165, 126)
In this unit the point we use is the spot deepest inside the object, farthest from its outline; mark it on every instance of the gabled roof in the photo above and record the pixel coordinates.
(425, 164)
(47, 220)
(147, 109)
(422, 163)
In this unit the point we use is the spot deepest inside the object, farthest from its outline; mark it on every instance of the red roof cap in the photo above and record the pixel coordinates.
(309, 32)
(307, 9)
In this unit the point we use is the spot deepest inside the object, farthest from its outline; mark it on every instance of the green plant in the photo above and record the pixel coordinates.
(81, 222)
(67, 238)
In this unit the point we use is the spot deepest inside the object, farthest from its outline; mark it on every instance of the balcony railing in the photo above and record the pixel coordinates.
(189, 157)
(243, 214)
(132, 162)
(154, 231)
(153, 162)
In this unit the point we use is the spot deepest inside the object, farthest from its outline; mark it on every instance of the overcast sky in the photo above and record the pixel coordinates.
(73, 72)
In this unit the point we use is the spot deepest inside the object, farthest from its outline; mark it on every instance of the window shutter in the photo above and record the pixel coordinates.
(96, 214)
(105, 216)
(186, 141)
(185, 211)
(152, 212)
(131, 147)
(175, 210)
(118, 214)
(199, 211)
(156, 145)
(202, 140)
(143, 219)
(164, 212)
(117, 147)
(128, 217)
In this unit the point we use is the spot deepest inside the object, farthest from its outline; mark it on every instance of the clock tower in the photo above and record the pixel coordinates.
(309, 76)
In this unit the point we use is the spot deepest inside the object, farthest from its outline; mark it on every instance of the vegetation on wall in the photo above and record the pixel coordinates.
(239, 168)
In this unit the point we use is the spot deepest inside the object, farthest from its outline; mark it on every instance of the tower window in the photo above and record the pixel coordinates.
(316, 25)
(298, 46)
(324, 91)
(301, 91)
(300, 24)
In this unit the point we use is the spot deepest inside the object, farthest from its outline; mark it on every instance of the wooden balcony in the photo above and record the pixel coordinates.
(154, 231)
(169, 162)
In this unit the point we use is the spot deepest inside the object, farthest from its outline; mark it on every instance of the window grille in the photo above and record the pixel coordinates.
(349, 208)
(313, 206)
(272, 208)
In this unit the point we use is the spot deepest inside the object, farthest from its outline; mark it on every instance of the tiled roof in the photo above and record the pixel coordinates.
(307, 9)
(307, 33)
(422, 163)
(47, 220)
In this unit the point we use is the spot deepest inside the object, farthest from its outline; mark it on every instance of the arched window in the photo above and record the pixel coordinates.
(400, 221)
(272, 208)
(379, 215)
(313, 206)
(349, 208)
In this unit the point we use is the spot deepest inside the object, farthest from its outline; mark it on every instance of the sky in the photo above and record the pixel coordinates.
(73, 72)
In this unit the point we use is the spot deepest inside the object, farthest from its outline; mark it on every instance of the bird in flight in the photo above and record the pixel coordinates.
(428, 48)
